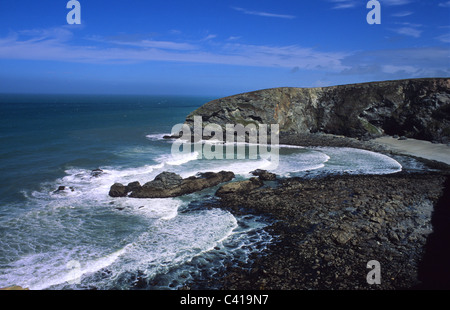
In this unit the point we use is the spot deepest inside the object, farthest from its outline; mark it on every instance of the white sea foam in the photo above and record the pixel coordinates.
(180, 159)
(177, 241)
(80, 213)
(72, 271)
(300, 161)
(357, 161)
(82, 223)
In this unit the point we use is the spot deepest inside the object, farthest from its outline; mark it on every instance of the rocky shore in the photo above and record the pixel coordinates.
(169, 184)
(327, 229)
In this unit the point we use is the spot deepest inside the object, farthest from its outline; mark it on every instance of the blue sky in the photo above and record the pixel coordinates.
(218, 47)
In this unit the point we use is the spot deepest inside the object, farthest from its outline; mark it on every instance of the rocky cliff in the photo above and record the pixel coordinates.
(415, 108)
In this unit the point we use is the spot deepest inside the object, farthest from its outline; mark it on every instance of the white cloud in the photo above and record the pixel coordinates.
(399, 63)
(156, 44)
(132, 51)
(263, 14)
(403, 14)
(209, 37)
(395, 2)
(348, 4)
(344, 4)
(409, 31)
(233, 38)
(393, 69)
(445, 4)
(56, 45)
(444, 38)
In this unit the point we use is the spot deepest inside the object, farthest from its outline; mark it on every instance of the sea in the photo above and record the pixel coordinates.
(59, 228)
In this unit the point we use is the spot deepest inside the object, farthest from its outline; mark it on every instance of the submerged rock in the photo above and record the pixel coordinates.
(60, 189)
(96, 172)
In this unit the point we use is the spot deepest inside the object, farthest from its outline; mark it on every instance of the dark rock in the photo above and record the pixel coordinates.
(341, 236)
(118, 190)
(165, 180)
(96, 172)
(133, 186)
(325, 235)
(168, 184)
(60, 189)
(264, 175)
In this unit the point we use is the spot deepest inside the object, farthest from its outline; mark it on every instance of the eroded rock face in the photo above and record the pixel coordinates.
(415, 108)
(169, 184)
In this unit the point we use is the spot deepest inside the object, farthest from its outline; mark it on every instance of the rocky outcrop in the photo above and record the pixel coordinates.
(169, 184)
(239, 187)
(264, 175)
(415, 108)
(118, 190)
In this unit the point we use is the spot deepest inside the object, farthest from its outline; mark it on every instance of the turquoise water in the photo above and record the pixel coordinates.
(80, 238)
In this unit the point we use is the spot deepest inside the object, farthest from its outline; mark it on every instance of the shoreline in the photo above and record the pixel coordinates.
(431, 154)
(329, 228)
(417, 148)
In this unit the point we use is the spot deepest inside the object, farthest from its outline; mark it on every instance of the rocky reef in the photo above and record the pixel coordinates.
(328, 229)
(414, 108)
(169, 184)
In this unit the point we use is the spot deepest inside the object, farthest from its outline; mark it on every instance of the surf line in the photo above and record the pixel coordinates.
(236, 137)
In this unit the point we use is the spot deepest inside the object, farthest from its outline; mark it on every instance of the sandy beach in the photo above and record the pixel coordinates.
(418, 148)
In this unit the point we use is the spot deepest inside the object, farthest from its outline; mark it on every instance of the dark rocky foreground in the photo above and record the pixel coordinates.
(328, 229)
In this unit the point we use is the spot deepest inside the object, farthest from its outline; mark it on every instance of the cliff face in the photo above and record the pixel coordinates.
(416, 108)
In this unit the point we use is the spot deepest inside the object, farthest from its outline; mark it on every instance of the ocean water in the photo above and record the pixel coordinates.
(80, 238)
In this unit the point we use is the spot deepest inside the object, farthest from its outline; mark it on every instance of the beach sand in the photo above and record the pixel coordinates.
(417, 148)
